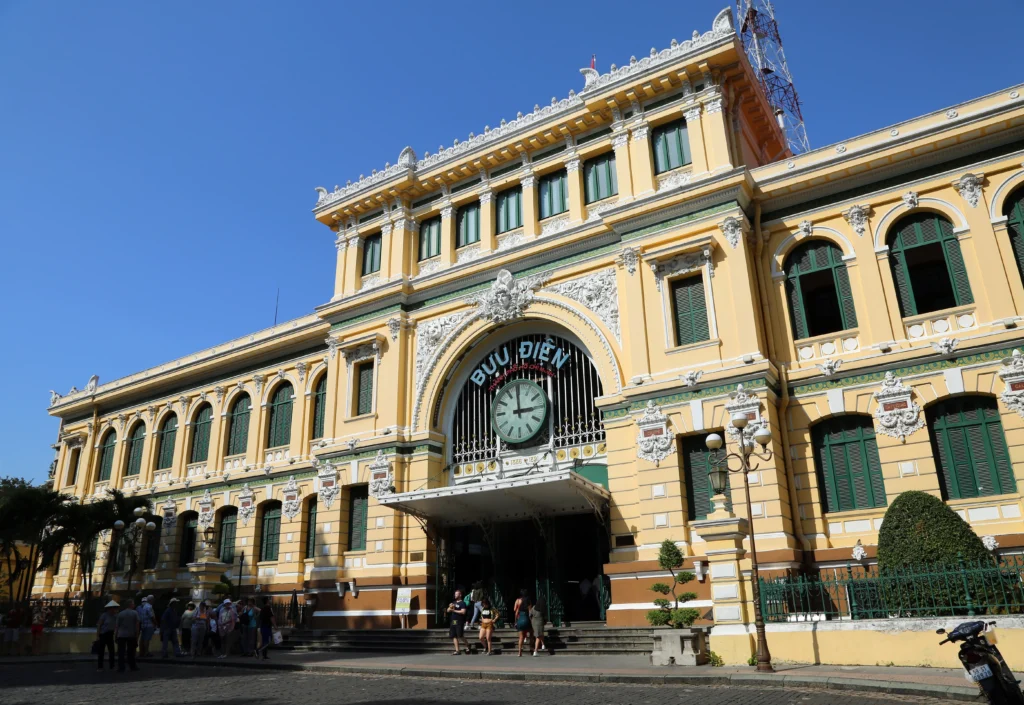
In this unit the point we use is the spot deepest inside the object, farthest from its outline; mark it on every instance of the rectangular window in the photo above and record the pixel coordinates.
(430, 238)
(364, 387)
(107, 457)
(468, 225)
(671, 147)
(270, 541)
(76, 458)
(847, 463)
(696, 465)
(371, 254)
(311, 530)
(689, 308)
(187, 554)
(599, 180)
(358, 499)
(153, 545)
(228, 527)
(554, 194)
(510, 209)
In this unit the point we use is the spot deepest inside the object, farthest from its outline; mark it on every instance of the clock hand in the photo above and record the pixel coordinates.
(522, 411)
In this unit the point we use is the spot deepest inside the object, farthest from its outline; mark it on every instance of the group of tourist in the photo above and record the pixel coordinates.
(529, 619)
(13, 620)
(221, 629)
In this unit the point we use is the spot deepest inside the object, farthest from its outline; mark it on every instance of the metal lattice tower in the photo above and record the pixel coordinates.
(759, 33)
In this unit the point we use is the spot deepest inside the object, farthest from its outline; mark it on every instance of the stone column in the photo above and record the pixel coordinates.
(448, 234)
(353, 261)
(640, 158)
(341, 245)
(623, 163)
(488, 238)
(986, 248)
(724, 533)
(531, 218)
(574, 174)
(695, 135)
(716, 134)
(386, 237)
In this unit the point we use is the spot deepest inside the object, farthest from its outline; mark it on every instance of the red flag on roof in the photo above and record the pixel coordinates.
(593, 61)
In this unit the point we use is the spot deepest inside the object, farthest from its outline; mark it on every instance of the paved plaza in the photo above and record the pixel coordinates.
(78, 683)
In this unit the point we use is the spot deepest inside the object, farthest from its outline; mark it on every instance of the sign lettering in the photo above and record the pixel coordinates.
(894, 405)
(532, 356)
(1016, 386)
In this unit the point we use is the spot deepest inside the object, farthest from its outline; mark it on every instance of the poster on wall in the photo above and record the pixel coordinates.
(403, 600)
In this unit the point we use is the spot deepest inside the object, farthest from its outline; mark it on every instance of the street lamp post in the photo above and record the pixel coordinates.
(116, 539)
(719, 475)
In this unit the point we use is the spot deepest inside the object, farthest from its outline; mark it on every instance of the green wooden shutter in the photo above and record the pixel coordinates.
(136, 442)
(201, 427)
(311, 530)
(280, 421)
(107, 456)
(926, 230)
(554, 194)
(358, 500)
(958, 272)
(691, 311)
(168, 434)
(238, 438)
(671, 146)
(898, 262)
(371, 254)
(599, 178)
(364, 400)
(153, 544)
(187, 552)
(849, 312)
(430, 238)
(270, 538)
(320, 406)
(468, 225)
(1003, 481)
(510, 210)
(228, 531)
(1014, 212)
(76, 460)
(696, 465)
(967, 435)
(847, 463)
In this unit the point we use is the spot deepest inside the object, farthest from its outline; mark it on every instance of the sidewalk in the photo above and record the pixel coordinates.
(929, 682)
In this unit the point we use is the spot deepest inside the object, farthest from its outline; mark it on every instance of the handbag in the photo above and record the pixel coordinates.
(278, 637)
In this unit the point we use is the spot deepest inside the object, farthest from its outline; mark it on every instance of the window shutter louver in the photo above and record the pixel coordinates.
(1014, 213)
(311, 530)
(358, 500)
(280, 421)
(899, 275)
(1002, 468)
(958, 273)
(319, 407)
(238, 438)
(135, 444)
(270, 541)
(696, 464)
(201, 435)
(845, 296)
(371, 254)
(107, 457)
(847, 463)
(874, 470)
(364, 401)
(228, 529)
(690, 307)
(796, 308)
(967, 433)
(168, 434)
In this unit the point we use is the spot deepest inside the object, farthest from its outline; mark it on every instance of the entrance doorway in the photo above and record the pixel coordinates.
(559, 560)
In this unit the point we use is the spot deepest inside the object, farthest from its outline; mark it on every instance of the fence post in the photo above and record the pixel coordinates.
(852, 591)
(967, 589)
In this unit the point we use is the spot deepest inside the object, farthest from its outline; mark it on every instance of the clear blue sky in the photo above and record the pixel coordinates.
(157, 160)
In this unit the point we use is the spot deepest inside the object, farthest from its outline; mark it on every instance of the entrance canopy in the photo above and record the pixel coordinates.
(526, 496)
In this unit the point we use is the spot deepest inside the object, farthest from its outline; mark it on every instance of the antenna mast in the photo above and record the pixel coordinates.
(759, 33)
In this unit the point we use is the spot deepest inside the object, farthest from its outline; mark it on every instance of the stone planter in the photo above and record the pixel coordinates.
(679, 647)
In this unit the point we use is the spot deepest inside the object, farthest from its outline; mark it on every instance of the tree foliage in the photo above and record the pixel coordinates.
(26, 515)
(670, 559)
(920, 528)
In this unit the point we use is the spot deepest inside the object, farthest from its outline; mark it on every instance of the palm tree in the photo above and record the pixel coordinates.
(77, 525)
(127, 541)
(26, 515)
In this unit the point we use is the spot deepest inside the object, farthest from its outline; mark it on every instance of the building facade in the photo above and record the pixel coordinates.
(533, 331)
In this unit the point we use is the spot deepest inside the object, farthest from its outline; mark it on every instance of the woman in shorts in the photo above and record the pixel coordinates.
(488, 617)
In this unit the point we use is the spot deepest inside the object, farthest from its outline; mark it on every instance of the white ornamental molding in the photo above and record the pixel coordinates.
(468, 254)
(394, 327)
(300, 368)
(121, 420)
(372, 282)
(184, 403)
(805, 228)
(327, 476)
(620, 138)
(969, 188)
(692, 113)
(898, 415)
(170, 514)
(258, 380)
(332, 346)
(911, 199)
(654, 443)
(246, 504)
(205, 510)
(743, 402)
(1012, 375)
(428, 338)
(291, 505)
(429, 267)
(219, 391)
(508, 298)
(681, 264)
(859, 552)
(151, 410)
(359, 353)
(553, 226)
(512, 239)
(829, 366)
(857, 217)
(990, 542)
(629, 258)
(732, 228)
(596, 211)
(673, 179)
(599, 293)
(381, 476)
(691, 378)
(945, 346)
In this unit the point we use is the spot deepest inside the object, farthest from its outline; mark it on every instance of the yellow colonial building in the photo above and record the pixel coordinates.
(533, 331)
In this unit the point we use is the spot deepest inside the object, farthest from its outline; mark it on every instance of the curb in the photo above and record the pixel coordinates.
(946, 692)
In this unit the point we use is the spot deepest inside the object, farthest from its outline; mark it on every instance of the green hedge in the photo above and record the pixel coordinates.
(920, 528)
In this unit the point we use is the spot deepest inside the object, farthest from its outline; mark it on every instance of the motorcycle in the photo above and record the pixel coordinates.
(983, 664)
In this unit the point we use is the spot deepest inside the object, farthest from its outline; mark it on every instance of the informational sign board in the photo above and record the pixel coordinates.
(403, 600)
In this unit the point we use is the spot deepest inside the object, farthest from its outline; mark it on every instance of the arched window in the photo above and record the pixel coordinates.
(228, 526)
(153, 544)
(279, 424)
(927, 265)
(1014, 212)
(319, 406)
(847, 463)
(189, 532)
(311, 528)
(136, 441)
(968, 441)
(238, 425)
(270, 531)
(201, 426)
(165, 442)
(107, 456)
(818, 290)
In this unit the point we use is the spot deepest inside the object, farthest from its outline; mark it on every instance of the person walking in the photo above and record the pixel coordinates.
(128, 626)
(169, 623)
(488, 617)
(476, 597)
(40, 614)
(456, 613)
(538, 618)
(105, 629)
(267, 624)
(521, 612)
(200, 620)
(186, 628)
(147, 617)
(226, 622)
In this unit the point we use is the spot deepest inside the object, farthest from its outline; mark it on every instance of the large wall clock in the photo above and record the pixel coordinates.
(519, 411)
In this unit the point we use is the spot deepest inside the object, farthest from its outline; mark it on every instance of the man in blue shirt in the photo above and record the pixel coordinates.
(147, 618)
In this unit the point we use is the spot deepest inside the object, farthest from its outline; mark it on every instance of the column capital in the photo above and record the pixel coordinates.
(572, 163)
(639, 131)
(527, 178)
(620, 138)
(486, 196)
(692, 112)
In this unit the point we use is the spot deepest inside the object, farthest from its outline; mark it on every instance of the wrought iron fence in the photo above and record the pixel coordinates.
(963, 588)
(62, 613)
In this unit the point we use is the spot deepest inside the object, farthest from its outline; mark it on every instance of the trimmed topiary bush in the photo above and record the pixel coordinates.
(920, 528)
(670, 558)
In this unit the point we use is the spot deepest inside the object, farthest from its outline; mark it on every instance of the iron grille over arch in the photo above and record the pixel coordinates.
(571, 390)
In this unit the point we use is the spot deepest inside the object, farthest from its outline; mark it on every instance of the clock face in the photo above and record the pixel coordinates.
(519, 411)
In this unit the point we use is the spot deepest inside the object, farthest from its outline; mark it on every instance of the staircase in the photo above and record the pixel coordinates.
(581, 639)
